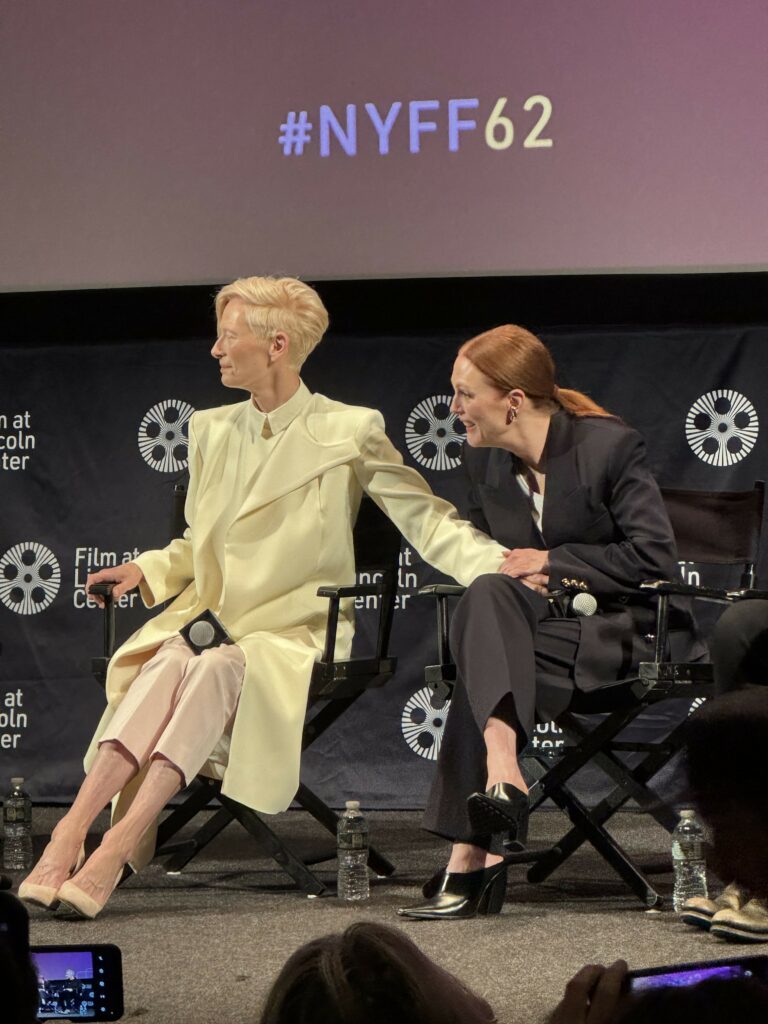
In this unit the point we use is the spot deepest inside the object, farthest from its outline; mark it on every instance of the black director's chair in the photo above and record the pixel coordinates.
(715, 528)
(334, 687)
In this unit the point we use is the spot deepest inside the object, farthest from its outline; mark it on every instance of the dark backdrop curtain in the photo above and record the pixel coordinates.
(92, 438)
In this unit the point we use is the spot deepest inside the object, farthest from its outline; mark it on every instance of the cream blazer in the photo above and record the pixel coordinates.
(292, 535)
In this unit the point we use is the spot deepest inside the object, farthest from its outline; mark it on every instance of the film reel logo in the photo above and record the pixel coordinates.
(164, 436)
(696, 704)
(30, 578)
(423, 724)
(721, 427)
(434, 435)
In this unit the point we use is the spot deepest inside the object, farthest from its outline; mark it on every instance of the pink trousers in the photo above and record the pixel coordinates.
(180, 706)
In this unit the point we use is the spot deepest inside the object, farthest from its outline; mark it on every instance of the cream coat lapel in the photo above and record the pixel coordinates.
(297, 458)
(220, 462)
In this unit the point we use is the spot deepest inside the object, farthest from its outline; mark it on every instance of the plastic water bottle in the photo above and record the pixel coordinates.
(352, 843)
(688, 860)
(17, 828)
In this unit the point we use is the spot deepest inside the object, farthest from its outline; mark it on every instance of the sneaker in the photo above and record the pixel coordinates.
(699, 911)
(749, 924)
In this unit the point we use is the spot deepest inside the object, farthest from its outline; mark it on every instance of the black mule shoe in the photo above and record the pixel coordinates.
(502, 808)
(463, 894)
(432, 885)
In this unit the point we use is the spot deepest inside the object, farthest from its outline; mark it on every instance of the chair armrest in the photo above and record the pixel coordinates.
(105, 590)
(685, 589)
(352, 590)
(748, 594)
(385, 590)
(442, 590)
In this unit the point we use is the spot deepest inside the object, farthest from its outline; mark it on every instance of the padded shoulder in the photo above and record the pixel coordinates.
(330, 422)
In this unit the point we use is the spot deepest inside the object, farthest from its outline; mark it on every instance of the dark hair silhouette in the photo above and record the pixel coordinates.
(18, 979)
(369, 974)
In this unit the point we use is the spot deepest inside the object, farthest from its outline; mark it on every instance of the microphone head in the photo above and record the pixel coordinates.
(584, 604)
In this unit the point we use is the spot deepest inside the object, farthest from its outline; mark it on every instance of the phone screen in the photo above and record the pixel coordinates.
(690, 976)
(79, 983)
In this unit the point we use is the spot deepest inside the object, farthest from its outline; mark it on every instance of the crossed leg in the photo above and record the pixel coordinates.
(172, 717)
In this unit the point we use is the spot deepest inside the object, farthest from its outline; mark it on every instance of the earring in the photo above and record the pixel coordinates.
(511, 414)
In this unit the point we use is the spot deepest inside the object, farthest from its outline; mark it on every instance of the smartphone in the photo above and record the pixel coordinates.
(79, 982)
(691, 974)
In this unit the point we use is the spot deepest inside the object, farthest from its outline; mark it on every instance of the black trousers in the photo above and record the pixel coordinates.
(739, 646)
(507, 642)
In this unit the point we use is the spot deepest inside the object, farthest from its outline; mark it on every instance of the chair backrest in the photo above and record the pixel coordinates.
(377, 551)
(716, 527)
(376, 539)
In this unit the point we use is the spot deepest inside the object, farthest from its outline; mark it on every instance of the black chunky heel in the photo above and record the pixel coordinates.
(492, 899)
(463, 894)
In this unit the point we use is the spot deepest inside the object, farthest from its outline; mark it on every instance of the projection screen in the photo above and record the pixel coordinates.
(190, 141)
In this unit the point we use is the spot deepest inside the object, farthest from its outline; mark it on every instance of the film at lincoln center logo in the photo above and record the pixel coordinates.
(721, 427)
(164, 436)
(30, 578)
(423, 725)
(434, 435)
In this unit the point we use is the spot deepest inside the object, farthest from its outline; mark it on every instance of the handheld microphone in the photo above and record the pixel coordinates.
(582, 603)
(579, 603)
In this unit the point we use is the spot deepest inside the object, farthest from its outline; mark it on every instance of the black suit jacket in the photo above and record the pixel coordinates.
(605, 527)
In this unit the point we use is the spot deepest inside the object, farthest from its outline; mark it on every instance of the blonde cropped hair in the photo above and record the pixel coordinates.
(275, 304)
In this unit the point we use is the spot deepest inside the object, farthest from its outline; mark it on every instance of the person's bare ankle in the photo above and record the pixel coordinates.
(466, 857)
(491, 859)
(116, 845)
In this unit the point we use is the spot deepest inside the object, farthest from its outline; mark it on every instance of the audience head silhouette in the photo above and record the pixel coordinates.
(369, 974)
(18, 980)
(729, 789)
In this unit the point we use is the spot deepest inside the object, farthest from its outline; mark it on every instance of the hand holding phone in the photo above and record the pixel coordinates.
(593, 995)
(678, 975)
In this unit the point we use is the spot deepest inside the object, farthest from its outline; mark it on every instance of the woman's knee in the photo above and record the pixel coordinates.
(221, 668)
(170, 657)
(489, 597)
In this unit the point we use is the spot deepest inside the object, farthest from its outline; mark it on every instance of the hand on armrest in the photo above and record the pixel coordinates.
(126, 577)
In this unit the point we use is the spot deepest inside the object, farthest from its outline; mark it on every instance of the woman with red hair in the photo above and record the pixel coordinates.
(565, 487)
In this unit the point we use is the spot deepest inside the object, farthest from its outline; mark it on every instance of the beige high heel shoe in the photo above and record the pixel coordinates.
(46, 896)
(72, 898)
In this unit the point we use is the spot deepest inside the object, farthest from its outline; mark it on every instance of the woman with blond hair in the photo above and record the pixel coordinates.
(564, 486)
(275, 485)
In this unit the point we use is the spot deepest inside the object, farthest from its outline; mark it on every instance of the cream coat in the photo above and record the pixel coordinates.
(292, 535)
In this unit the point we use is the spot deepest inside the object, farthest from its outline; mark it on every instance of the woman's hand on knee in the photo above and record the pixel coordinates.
(593, 996)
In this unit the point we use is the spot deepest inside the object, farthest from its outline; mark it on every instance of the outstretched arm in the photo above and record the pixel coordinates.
(593, 996)
(431, 524)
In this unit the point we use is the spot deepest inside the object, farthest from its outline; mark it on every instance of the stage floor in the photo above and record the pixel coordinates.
(203, 947)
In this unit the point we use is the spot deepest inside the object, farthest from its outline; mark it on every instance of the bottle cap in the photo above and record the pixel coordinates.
(688, 813)
(353, 805)
(17, 780)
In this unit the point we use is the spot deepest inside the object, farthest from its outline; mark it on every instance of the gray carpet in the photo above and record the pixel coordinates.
(203, 947)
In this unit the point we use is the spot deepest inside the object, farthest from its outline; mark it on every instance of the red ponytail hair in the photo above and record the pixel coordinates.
(511, 357)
